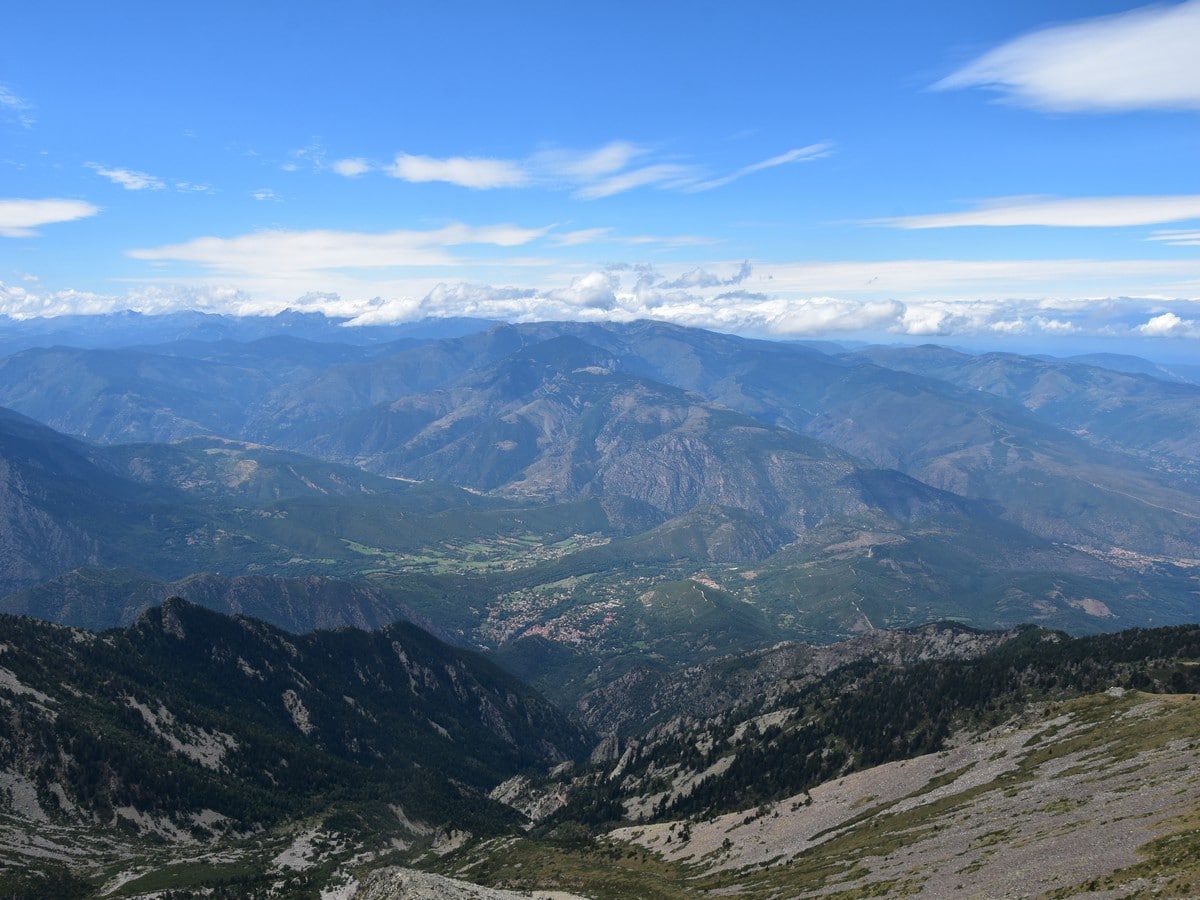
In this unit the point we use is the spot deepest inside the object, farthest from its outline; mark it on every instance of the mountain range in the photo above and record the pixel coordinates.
(1053, 491)
(655, 533)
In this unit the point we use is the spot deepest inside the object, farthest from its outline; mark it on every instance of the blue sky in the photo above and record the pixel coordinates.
(1019, 172)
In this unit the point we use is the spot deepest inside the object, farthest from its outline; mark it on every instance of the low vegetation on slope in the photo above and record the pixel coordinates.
(197, 753)
(1095, 796)
(189, 726)
(870, 710)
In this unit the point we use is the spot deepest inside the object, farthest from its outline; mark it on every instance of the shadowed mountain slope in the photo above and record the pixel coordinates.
(188, 723)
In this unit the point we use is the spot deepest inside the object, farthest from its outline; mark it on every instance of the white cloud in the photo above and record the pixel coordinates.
(1177, 237)
(666, 175)
(587, 166)
(944, 299)
(581, 236)
(128, 178)
(595, 290)
(702, 278)
(1142, 59)
(271, 252)
(1170, 325)
(671, 240)
(19, 303)
(612, 169)
(956, 279)
(188, 187)
(21, 218)
(15, 107)
(471, 172)
(352, 168)
(265, 194)
(1079, 212)
(800, 154)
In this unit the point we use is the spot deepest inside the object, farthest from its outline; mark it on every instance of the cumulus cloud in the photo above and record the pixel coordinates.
(921, 298)
(15, 108)
(22, 218)
(595, 290)
(770, 301)
(129, 179)
(1142, 59)
(1078, 212)
(832, 315)
(19, 303)
(1169, 324)
(628, 292)
(471, 172)
(271, 252)
(702, 278)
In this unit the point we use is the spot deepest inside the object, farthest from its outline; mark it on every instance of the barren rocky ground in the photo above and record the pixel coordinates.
(1068, 802)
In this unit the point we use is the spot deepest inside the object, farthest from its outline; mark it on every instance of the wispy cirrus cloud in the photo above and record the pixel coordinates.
(22, 218)
(581, 237)
(130, 179)
(133, 180)
(585, 236)
(1177, 237)
(465, 171)
(1077, 212)
(1142, 59)
(311, 157)
(660, 175)
(954, 280)
(591, 165)
(15, 107)
(609, 170)
(271, 252)
(800, 154)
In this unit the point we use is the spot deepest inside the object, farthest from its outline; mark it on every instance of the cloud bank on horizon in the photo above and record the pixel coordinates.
(777, 171)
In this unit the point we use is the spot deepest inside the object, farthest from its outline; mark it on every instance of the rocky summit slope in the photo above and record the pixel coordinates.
(219, 757)
(1098, 796)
